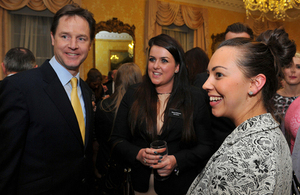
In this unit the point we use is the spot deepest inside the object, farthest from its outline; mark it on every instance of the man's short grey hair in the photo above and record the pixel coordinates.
(19, 59)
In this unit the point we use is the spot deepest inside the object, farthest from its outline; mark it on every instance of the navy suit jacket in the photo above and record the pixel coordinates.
(41, 148)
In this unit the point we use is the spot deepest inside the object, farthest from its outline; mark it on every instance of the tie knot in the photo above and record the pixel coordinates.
(74, 82)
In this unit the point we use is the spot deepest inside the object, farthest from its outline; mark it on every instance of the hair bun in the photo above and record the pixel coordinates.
(283, 49)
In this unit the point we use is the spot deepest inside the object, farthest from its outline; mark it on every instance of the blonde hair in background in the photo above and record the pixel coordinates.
(127, 74)
(297, 54)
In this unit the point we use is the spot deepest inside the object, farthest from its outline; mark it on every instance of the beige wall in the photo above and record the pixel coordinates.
(132, 12)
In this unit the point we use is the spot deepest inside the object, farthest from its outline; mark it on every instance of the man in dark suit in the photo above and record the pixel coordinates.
(16, 60)
(222, 126)
(45, 147)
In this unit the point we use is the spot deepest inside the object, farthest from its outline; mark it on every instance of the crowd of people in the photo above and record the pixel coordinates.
(229, 123)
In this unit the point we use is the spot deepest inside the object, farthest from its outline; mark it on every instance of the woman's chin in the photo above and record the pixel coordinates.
(216, 113)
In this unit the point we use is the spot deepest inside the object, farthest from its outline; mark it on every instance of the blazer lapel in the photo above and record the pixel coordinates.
(58, 95)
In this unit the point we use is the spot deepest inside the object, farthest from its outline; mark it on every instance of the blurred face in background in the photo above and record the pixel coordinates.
(292, 72)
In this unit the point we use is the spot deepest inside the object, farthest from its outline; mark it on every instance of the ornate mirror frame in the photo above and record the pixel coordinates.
(117, 26)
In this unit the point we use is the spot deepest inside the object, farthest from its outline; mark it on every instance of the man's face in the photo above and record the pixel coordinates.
(71, 42)
(231, 35)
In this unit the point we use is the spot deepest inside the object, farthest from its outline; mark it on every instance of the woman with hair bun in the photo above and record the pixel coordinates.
(255, 157)
(289, 87)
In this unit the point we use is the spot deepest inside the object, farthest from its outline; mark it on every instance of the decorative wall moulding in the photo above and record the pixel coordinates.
(231, 5)
(113, 35)
(115, 25)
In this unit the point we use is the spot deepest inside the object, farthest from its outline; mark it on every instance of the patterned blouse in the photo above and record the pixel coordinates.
(253, 159)
(282, 103)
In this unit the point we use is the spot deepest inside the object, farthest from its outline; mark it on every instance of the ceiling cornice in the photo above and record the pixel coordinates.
(231, 5)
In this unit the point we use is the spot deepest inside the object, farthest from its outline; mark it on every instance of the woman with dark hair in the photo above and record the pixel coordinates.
(196, 62)
(255, 157)
(163, 107)
(289, 91)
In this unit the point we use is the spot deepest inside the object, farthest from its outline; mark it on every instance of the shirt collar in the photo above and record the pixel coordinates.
(63, 74)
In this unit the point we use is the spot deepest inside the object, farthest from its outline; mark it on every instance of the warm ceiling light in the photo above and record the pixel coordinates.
(273, 10)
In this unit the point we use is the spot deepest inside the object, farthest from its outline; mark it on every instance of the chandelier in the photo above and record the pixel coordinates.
(273, 10)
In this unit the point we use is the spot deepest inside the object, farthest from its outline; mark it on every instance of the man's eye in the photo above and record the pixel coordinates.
(81, 39)
(64, 36)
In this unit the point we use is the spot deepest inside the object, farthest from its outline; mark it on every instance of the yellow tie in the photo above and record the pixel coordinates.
(77, 107)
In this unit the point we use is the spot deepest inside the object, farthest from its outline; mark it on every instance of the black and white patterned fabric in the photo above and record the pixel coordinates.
(253, 159)
(282, 103)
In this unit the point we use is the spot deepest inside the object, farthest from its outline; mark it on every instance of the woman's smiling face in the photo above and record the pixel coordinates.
(227, 85)
(161, 69)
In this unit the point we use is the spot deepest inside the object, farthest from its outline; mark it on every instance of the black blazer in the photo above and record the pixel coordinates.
(190, 160)
(221, 126)
(41, 148)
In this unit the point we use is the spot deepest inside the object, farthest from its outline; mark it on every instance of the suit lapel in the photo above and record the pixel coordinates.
(58, 95)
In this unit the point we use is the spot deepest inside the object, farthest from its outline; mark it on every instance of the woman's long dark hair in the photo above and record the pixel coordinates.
(144, 108)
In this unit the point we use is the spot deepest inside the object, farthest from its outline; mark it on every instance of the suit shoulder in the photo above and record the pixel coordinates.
(24, 77)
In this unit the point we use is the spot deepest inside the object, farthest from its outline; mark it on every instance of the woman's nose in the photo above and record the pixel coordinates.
(156, 65)
(207, 85)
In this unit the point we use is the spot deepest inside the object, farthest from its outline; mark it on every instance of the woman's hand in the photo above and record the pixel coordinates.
(164, 164)
(149, 157)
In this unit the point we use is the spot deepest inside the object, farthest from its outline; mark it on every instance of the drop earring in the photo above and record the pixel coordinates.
(250, 93)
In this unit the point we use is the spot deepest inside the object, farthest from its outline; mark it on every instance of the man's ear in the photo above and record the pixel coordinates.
(3, 68)
(52, 38)
(91, 43)
(257, 83)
